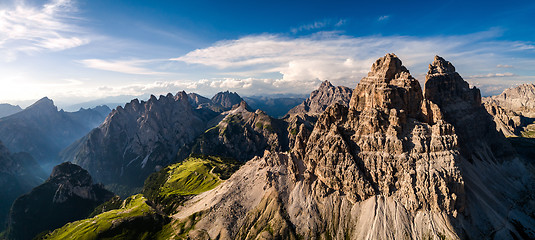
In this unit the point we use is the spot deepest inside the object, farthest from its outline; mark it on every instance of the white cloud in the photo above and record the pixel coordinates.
(383, 18)
(303, 62)
(319, 25)
(30, 29)
(491, 75)
(504, 66)
(128, 67)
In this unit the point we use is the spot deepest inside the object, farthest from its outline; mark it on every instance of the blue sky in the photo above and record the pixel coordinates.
(80, 50)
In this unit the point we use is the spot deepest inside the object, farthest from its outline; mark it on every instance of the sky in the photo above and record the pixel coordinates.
(77, 51)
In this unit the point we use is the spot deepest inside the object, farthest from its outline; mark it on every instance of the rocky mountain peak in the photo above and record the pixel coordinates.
(43, 104)
(440, 66)
(226, 99)
(325, 85)
(243, 105)
(388, 85)
(8, 109)
(68, 195)
(182, 95)
(445, 87)
(69, 171)
(519, 99)
(326, 95)
(387, 67)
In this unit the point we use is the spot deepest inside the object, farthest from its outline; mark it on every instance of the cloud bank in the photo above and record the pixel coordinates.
(304, 62)
(28, 29)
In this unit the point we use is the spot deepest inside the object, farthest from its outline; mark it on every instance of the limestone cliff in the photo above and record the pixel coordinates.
(514, 111)
(394, 164)
(320, 99)
(138, 139)
(242, 134)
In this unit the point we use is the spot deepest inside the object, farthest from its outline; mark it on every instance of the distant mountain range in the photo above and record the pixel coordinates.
(43, 131)
(8, 109)
(19, 173)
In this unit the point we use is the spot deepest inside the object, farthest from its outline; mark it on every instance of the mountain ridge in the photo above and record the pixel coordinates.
(391, 160)
(67, 195)
(43, 131)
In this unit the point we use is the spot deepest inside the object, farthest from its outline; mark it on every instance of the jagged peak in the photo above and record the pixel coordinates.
(388, 85)
(325, 85)
(43, 103)
(226, 93)
(444, 86)
(388, 67)
(242, 105)
(182, 95)
(68, 169)
(226, 99)
(440, 66)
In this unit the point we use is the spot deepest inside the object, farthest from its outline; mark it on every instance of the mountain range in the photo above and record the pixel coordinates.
(8, 109)
(19, 173)
(389, 159)
(43, 131)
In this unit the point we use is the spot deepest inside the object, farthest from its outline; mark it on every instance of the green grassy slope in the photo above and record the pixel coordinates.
(146, 216)
(174, 184)
(94, 228)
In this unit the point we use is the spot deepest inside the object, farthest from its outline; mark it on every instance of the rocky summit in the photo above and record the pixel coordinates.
(138, 139)
(395, 164)
(227, 99)
(69, 194)
(513, 111)
(320, 99)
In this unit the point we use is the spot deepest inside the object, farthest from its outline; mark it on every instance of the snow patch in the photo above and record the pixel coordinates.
(144, 162)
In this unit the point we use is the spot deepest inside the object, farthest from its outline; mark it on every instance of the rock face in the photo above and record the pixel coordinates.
(320, 99)
(8, 109)
(227, 99)
(68, 195)
(513, 110)
(243, 134)
(138, 139)
(519, 99)
(19, 173)
(197, 100)
(394, 164)
(43, 131)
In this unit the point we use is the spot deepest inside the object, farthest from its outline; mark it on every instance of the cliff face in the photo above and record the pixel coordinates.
(393, 164)
(226, 99)
(242, 134)
(514, 111)
(519, 99)
(320, 99)
(138, 139)
(69, 194)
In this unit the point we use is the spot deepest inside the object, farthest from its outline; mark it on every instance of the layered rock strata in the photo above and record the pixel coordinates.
(395, 164)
